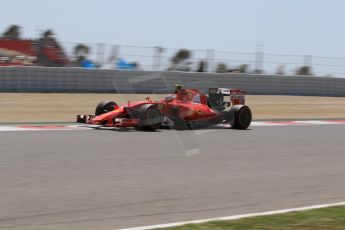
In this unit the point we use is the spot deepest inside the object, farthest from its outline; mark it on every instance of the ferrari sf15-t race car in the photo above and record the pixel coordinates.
(185, 109)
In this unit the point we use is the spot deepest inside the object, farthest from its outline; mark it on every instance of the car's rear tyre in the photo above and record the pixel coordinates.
(241, 117)
(150, 117)
(105, 107)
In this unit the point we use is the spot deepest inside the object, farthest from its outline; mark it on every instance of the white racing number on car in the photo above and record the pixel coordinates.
(224, 91)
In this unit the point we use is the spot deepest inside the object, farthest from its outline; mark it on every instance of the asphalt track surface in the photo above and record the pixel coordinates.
(104, 179)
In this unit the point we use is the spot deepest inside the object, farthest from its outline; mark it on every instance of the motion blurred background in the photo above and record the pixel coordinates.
(255, 37)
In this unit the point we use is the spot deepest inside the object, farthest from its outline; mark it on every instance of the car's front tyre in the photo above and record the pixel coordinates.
(150, 117)
(105, 107)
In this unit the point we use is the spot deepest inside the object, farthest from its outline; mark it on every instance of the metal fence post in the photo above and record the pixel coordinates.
(259, 59)
(114, 55)
(210, 60)
(100, 53)
(157, 56)
(308, 60)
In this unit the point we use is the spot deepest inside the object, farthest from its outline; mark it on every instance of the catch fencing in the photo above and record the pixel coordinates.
(160, 59)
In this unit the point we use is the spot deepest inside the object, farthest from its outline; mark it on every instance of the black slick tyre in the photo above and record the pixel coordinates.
(242, 117)
(150, 117)
(105, 107)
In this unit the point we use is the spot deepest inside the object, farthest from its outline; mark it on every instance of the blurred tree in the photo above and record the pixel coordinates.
(243, 68)
(181, 55)
(48, 34)
(12, 32)
(202, 66)
(280, 70)
(258, 71)
(303, 70)
(135, 65)
(80, 52)
(221, 68)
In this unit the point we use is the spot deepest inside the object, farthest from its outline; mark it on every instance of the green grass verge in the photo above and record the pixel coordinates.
(317, 219)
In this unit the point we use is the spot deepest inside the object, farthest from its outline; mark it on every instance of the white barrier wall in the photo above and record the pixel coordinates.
(41, 79)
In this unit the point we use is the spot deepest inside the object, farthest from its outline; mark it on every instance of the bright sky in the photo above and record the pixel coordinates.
(289, 27)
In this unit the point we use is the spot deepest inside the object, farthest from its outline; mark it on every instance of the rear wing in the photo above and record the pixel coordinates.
(237, 96)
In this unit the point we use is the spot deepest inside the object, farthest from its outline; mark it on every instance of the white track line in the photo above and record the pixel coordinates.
(294, 123)
(4, 128)
(43, 128)
(316, 122)
(235, 217)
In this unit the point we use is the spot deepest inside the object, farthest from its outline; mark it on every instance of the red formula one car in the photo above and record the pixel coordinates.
(185, 109)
